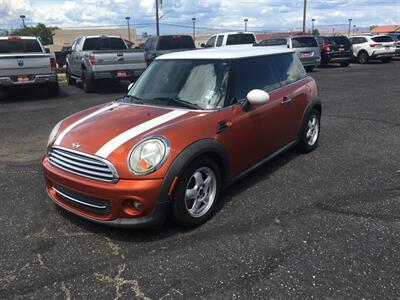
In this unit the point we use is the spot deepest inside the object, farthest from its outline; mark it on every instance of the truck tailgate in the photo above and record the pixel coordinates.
(24, 64)
(118, 60)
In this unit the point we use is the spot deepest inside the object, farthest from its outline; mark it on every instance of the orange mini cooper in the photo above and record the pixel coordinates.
(192, 124)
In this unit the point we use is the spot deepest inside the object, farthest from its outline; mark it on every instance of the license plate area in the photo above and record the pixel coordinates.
(121, 74)
(341, 49)
(307, 54)
(23, 78)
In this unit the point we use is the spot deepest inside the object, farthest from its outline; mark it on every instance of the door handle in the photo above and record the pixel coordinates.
(286, 99)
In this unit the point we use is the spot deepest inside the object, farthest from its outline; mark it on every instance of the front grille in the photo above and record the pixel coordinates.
(83, 164)
(96, 205)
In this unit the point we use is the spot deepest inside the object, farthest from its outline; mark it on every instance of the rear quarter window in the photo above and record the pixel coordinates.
(382, 39)
(175, 42)
(20, 46)
(304, 42)
(289, 68)
(240, 39)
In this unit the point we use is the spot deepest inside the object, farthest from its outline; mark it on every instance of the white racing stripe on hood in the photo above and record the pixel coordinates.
(122, 138)
(80, 121)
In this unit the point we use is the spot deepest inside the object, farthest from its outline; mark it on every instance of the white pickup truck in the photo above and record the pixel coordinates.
(103, 57)
(25, 62)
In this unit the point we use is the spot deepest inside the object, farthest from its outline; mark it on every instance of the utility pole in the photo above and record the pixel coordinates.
(245, 25)
(157, 20)
(304, 16)
(312, 27)
(350, 25)
(129, 30)
(23, 20)
(194, 30)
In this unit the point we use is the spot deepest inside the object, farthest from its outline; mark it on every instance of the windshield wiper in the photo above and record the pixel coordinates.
(179, 101)
(131, 98)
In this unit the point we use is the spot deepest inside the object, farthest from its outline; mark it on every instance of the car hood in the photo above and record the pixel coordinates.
(111, 128)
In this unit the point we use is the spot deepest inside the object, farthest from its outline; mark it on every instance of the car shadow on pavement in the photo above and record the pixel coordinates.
(29, 94)
(108, 87)
(169, 229)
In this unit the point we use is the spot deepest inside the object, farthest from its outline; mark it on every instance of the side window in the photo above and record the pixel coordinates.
(78, 41)
(154, 44)
(363, 40)
(289, 68)
(147, 44)
(211, 42)
(253, 73)
(219, 40)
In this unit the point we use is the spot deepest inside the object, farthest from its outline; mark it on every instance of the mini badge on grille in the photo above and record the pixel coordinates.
(75, 145)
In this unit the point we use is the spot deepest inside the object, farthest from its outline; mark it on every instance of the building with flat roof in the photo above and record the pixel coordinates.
(65, 37)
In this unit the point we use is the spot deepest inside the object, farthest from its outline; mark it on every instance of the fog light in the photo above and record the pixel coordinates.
(132, 207)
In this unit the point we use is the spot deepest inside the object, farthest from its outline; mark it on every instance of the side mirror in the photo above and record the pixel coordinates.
(255, 97)
(130, 86)
(47, 50)
(202, 45)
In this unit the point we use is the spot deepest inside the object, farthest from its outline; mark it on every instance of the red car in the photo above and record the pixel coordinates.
(193, 123)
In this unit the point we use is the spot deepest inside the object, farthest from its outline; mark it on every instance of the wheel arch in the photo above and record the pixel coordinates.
(315, 103)
(206, 147)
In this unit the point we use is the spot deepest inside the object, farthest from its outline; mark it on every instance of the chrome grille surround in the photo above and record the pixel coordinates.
(82, 164)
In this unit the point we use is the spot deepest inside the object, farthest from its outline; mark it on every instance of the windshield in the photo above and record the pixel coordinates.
(176, 42)
(202, 83)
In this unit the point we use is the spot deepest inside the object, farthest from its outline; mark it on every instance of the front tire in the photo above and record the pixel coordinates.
(309, 68)
(196, 193)
(70, 80)
(310, 132)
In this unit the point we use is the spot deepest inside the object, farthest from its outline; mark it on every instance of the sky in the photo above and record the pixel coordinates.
(211, 15)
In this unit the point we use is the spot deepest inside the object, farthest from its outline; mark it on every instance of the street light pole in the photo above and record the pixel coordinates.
(312, 27)
(194, 30)
(129, 30)
(23, 20)
(157, 20)
(354, 29)
(350, 25)
(245, 25)
(304, 16)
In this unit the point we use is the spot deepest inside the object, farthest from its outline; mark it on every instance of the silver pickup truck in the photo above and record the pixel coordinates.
(25, 62)
(99, 57)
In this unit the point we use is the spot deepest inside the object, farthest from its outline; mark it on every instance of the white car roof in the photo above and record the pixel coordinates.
(102, 35)
(22, 37)
(234, 32)
(225, 53)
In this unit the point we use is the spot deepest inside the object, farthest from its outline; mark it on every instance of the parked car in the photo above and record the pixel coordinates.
(159, 45)
(306, 48)
(169, 148)
(396, 39)
(25, 62)
(335, 49)
(100, 57)
(370, 47)
(227, 39)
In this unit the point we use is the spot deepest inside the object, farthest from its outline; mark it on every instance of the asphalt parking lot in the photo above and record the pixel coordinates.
(322, 225)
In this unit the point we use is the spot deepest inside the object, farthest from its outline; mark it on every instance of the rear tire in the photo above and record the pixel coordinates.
(311, 130)
(309, 68)
(53, 89)
(196, 193)
(87, 83)
(363, 57)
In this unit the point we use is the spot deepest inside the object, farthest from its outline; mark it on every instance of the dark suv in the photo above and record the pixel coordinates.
(335, 49)
(158, 45)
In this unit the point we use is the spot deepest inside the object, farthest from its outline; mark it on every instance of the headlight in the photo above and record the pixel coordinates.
(148, 155)
(53, 133)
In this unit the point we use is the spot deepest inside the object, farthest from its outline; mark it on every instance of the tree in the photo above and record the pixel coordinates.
(315, 32)
(40, 30)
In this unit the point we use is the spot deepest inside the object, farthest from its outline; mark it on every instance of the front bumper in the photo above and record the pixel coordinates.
(147, 192)
(33, 80)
